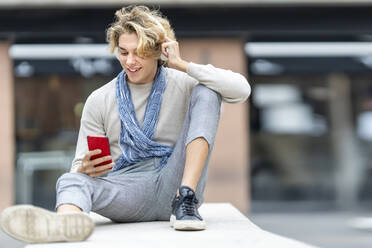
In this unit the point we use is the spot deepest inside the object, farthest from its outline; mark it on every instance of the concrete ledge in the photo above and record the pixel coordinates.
(226, 227)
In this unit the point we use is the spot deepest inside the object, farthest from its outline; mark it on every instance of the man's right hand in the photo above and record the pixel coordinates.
(88, 166)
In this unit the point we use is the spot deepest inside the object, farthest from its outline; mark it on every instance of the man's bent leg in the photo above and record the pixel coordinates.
(201, 122)
(200, 127)
(196, 155)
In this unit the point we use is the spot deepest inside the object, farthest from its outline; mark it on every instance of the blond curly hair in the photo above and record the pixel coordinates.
(150, 26)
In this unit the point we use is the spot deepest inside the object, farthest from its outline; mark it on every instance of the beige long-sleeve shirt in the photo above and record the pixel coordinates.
(101, 117)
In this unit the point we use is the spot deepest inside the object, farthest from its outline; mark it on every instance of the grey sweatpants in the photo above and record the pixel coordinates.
(144, 191)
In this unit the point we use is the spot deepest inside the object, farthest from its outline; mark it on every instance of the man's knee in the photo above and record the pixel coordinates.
(204, 94)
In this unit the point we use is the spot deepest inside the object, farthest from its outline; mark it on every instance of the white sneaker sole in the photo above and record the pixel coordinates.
(187, 225)
(36, 225)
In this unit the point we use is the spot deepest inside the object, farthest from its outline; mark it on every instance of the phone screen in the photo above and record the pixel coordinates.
(102, 143)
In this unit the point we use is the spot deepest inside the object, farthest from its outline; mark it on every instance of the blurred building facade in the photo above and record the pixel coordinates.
(304, 138)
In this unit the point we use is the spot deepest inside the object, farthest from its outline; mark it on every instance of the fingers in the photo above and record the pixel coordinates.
(165, 45)
(86, 159)
(170, 49)
(90, 168)
(89, 154)
(165, 49)
(100, 170)
(100, 160)
(171, 46)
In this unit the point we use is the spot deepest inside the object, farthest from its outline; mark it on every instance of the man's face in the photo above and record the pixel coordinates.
(139, 70)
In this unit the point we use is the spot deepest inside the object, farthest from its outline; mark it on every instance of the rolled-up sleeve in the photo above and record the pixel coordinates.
(232, 86)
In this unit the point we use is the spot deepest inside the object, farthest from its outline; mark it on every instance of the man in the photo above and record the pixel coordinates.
(161, 124)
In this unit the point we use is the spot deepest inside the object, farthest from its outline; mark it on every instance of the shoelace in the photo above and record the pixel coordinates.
(188, 205)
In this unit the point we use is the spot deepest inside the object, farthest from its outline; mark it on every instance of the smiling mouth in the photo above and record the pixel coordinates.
(133, 70)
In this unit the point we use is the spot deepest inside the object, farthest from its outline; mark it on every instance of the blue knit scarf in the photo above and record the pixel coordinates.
(135, 142)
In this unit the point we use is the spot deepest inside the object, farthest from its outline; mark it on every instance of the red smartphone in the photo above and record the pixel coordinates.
(102, 143)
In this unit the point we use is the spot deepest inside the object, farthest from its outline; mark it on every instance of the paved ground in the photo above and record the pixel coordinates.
(323, 229)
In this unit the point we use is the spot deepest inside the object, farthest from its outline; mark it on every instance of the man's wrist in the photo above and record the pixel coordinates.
(182, 65)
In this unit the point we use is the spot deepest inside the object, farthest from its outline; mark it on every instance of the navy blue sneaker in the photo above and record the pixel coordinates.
(185, 215)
